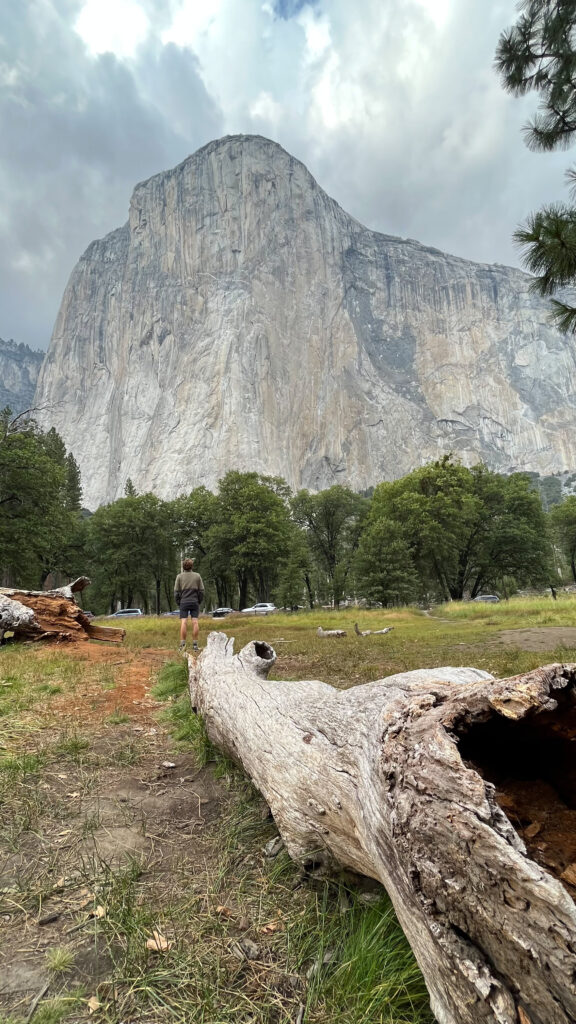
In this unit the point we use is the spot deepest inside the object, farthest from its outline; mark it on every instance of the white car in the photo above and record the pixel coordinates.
(263, 608)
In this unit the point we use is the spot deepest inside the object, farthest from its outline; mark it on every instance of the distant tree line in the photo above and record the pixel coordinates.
(442, 532)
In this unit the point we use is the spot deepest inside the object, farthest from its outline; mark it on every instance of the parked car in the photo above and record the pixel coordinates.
(220, 613)
(89, 615)
(487, 598)
(171, 614)
(127, 613)
(262, 608)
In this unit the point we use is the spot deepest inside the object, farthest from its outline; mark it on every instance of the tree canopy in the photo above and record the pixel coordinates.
(465, 529)
(538, 54)
(442, 532)
(40, 495)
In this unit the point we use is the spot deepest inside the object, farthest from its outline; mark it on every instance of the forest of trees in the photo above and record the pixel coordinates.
(441, 532)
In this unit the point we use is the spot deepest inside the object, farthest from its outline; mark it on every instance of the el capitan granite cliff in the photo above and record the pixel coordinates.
(242, 320)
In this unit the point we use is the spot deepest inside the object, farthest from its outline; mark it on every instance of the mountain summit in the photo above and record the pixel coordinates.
(241, 319)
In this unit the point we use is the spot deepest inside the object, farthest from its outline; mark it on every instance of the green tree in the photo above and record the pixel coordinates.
(384, 566)
(332, 521)
(251, 533)
(194, 516)
(511, 538)
(38, 502)
(436, 509)
(295, 574)
(467, 529)
(563, 519)
(538, 54)
(133, 550)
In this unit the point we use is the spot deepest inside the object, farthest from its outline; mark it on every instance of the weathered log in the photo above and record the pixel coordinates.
(372, 632)
(330, 632)
(405, 780)
(51, 614)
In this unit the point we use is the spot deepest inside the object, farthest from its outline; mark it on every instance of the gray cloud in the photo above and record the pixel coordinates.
(77, 133)
(394, 107)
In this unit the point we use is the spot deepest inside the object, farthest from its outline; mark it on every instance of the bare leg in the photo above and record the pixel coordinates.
(183, 630)
(194, 630)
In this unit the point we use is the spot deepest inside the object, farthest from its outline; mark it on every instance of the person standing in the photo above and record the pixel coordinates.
(188, 594)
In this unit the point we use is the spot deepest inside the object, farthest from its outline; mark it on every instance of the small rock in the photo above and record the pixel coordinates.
(168, 764)
(244, 924)
(245, 949)
(272, 848)
(369, 897)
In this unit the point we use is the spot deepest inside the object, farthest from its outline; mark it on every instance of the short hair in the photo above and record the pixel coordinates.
(187, 564)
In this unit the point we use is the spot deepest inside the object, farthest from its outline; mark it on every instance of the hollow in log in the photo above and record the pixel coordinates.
(456, 791)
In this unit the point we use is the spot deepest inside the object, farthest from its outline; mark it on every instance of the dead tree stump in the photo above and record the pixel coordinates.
(51, 614)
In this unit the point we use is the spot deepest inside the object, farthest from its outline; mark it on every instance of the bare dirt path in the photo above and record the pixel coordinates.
(109, 796)
(538, 638)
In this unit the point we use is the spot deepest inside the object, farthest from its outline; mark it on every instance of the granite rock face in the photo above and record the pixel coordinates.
(19, 369)
(241, 319)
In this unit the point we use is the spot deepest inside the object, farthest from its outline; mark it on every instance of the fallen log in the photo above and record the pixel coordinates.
(372, 632)
(51, 615)
(330, 632)
(405, 780)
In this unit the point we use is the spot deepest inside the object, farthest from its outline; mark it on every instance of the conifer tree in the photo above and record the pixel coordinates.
(539, 54)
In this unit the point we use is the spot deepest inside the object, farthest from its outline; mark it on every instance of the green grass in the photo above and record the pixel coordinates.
(373, 976)
(60, 959)
(349, 965)
(516, 613)
(351, 985)
(118, 717)
(72, 746)
(454, 634)
(186, 727)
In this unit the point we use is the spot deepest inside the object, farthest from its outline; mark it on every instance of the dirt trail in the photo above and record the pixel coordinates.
(133, 673)
(124, 793)
(539, 638)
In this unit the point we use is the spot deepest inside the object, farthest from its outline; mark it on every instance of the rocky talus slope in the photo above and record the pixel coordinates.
(241, 319)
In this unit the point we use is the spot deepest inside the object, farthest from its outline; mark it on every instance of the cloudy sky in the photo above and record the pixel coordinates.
(393, 105)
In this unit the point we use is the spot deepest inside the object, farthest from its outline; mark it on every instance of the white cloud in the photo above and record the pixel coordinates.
(438, 10)
(191, 22)
(112, 26)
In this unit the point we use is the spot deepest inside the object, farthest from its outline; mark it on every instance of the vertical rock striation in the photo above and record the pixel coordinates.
(241, 319)
(19, 369)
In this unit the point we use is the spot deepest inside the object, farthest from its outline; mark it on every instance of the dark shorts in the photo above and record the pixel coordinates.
(189, 608)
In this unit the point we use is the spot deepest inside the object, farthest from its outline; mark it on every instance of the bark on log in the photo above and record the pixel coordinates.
(51, 614)
(405, 780)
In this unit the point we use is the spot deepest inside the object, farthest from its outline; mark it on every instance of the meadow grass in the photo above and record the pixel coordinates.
(459, 633)
(515, 613)
(321, 946)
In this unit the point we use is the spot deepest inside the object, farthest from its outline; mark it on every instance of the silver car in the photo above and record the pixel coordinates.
(263, 608)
